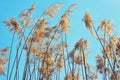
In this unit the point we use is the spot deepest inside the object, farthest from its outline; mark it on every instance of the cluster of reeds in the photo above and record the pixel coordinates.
(46, 52)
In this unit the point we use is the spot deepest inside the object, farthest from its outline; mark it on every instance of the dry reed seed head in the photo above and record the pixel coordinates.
(72, 75)
(88, 20)
(36, 51)
(2, 68)
(86, 43)
(78, 59)
(89, 23)
(33, 6)
(3, 60)
(59, 46)
(7, 23)
(103, 22)
(118, 48)
(4, 51)
(51, 63)
(45, 71)
(39, 35)
(114, 40)
(26, 17)
(107, 26)
(13, 24)
(42, 24)
(31, 41)
(27, 12)
(49, 54)
(61, 63)
(100, 63)
(49, 29)
(27, 21)
(64, 22)
(82, 44)
(70, 9)
(102, 39)
(79, 44)
(52, 9)
(47, 61)
(108, 50)
(71, 53)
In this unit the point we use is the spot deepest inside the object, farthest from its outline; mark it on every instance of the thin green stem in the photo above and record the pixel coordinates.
(10, 54)
(84, 63)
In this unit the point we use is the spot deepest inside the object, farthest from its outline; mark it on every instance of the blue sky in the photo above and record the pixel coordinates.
(108, 9)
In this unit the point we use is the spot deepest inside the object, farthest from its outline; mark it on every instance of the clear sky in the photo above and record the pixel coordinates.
(108, 9)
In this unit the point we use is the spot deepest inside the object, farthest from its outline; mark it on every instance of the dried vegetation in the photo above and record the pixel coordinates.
(46, 48)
